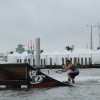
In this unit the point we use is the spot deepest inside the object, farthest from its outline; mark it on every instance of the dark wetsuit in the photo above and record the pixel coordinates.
(73, 71)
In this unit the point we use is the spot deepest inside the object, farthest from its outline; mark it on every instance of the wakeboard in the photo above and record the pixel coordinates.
(68, 83)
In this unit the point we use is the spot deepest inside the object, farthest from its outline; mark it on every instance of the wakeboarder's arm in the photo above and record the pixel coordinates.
(67, 68)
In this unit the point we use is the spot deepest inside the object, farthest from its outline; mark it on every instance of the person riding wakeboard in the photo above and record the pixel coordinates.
(73, 71)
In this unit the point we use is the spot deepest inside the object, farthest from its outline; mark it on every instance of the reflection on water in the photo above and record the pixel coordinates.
(86, 88)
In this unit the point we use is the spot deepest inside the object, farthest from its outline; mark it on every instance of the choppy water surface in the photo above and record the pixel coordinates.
(87, 87)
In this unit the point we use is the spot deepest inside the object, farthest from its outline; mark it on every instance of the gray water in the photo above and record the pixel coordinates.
(87, 87)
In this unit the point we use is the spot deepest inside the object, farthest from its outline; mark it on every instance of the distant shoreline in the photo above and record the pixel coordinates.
(60, 66)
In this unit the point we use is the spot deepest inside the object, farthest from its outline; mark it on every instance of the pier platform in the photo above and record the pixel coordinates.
(13, 75)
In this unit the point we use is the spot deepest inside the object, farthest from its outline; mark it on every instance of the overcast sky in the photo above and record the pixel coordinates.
(58, 23)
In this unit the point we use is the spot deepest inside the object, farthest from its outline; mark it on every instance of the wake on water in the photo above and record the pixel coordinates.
(87, 79)
(82, 79)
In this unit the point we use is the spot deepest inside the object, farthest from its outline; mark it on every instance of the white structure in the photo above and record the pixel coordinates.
(96, 57)
(53, 58)
(79, 56)
(44, 58)
(20, 58)
(26, 57)
(12, 58)
(82, 56)
(63, 56)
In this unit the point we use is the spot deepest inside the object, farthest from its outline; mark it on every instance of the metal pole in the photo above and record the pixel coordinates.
(91, 42)
(99, 33)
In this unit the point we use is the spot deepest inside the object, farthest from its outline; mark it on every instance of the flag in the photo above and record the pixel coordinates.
(28, 47)
(30, 44)
(33, 49)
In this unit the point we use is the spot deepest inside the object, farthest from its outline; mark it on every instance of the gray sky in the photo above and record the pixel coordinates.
(58, 23)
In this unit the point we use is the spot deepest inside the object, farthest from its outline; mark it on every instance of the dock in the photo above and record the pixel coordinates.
(13, 75)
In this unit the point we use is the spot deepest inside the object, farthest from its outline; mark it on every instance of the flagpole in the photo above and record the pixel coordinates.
(31, 47)
(32, 53)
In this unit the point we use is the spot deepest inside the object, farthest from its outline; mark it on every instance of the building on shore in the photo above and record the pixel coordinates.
(83, 57)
